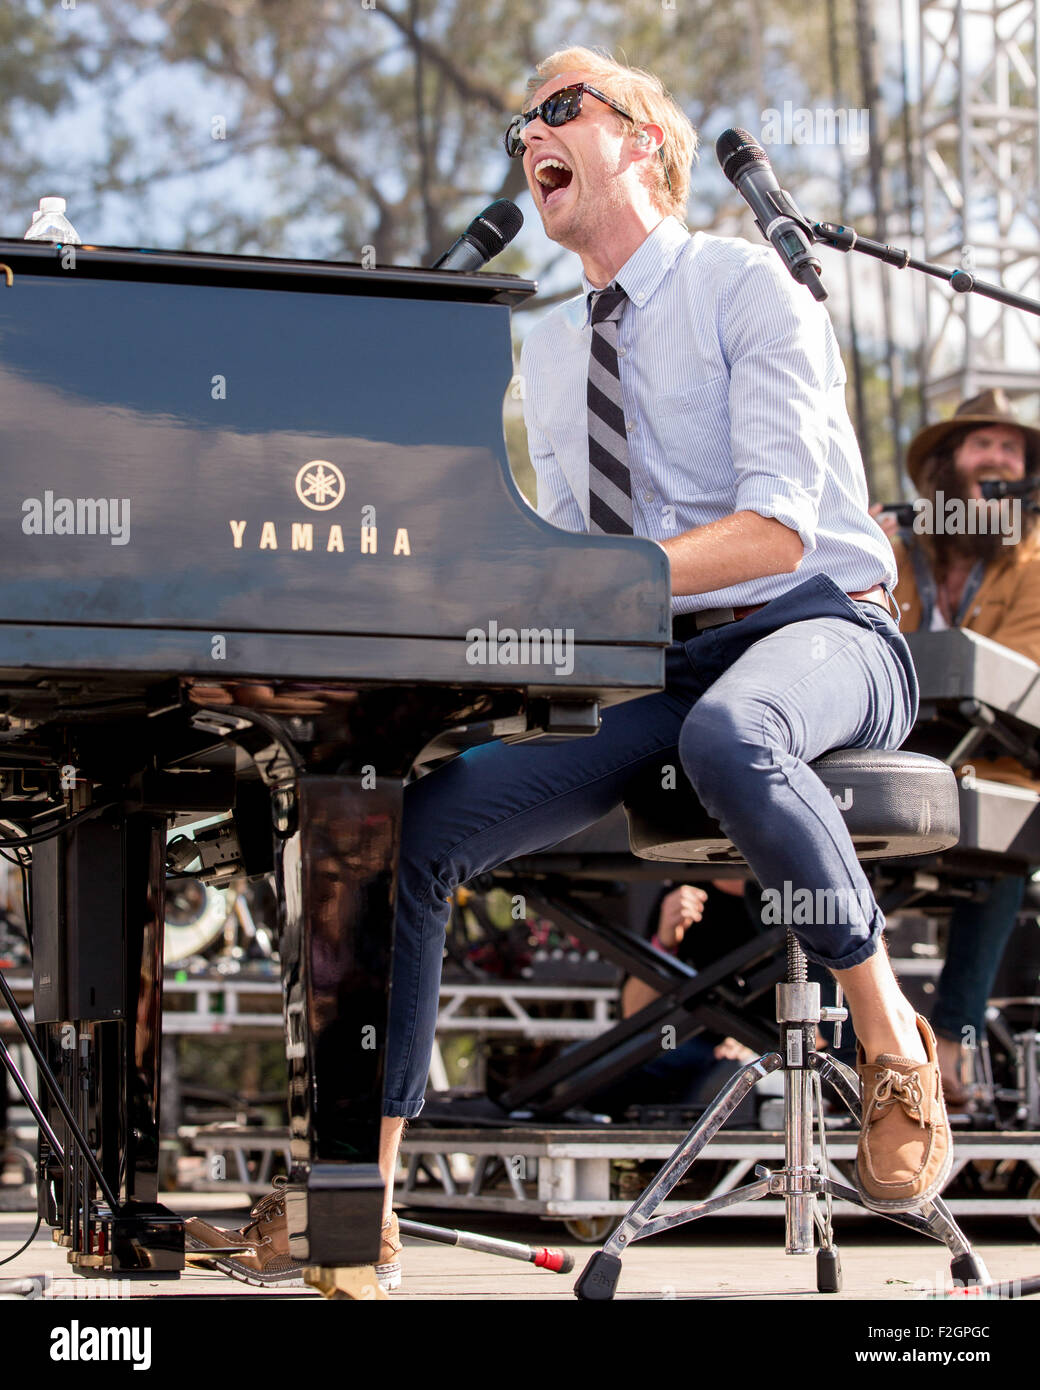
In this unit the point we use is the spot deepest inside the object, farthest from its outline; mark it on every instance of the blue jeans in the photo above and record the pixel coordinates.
(745, 708)
(974, 947)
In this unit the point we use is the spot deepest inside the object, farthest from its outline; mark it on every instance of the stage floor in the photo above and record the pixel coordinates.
(717, 1260)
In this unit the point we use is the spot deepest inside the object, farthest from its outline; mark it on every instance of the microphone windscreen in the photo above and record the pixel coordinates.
(496, 226)
(736, 149)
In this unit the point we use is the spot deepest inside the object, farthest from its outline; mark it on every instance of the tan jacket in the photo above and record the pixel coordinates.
(1006, 609)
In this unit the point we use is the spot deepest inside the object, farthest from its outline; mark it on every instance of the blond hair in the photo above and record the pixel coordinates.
(644, 95)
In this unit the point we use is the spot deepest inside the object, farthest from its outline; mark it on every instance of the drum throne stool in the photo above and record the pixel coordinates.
(894, 804)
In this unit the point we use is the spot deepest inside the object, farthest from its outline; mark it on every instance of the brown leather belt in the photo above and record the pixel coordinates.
(686, 625)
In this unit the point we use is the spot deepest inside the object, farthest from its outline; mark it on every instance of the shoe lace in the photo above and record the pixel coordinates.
(390, 1233)
(266, 1210)
(893, 1086)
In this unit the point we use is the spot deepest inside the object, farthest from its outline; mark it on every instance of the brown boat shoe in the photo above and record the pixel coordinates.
(905, 1150)
(268, 1262)
(388, 1270)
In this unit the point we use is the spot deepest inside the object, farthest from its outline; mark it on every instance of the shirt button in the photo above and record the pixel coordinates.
(630, 424)
(640, 298)
(622, 352)
(648, 496)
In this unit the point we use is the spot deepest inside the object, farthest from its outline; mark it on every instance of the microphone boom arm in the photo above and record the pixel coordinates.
(963, 281)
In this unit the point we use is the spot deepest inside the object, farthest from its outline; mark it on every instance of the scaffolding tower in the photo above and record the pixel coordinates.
(978, 148)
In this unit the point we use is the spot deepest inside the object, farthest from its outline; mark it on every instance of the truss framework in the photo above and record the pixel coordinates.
(978, 138)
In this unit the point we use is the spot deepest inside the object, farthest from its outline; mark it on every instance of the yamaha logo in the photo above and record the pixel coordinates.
(320, 485)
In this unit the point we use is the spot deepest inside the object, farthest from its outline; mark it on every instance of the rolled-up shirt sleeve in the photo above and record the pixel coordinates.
(556, 500)
(784, 366)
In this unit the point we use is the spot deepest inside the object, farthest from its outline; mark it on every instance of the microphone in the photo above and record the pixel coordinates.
(904, 513)
(487, 235)
(995, 488)
(746, 165)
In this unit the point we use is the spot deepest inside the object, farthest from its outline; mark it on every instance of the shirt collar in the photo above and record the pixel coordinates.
(647, 266)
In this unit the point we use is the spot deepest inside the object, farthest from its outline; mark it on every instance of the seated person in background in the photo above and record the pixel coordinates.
(989, 584)
(724, 921)
(699, 925)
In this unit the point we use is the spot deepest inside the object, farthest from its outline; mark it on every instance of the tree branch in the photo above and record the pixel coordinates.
(478, 91)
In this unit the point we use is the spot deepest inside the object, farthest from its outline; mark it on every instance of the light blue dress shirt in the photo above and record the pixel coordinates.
(734, 397)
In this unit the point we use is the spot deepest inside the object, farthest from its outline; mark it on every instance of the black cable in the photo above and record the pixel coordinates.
(59, 829)
(9, 1258)
(26, 907)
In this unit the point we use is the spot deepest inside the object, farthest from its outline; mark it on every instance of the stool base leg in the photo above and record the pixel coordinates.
(828, 1271)
(598, 1280)
(727, 1101)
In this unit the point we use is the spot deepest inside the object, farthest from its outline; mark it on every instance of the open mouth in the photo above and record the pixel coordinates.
(552, 177)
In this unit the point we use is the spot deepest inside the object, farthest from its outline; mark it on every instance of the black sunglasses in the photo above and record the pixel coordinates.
(557, 110)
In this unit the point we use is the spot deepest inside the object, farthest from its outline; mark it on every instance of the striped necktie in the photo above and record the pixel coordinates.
(610, 482)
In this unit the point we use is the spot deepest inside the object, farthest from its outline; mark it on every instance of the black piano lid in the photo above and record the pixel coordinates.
(265, 272)
(392, 379)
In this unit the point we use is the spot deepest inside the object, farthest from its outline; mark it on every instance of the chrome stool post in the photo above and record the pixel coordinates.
(798, 1013)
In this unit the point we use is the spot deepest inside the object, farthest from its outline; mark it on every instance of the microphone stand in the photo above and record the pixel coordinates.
(963, 281)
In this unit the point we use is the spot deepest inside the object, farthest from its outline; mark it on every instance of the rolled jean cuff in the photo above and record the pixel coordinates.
(952, 1032)
(402, 1109)
(856, 957)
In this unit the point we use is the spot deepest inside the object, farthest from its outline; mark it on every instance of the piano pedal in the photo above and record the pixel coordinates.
(356, 1282)
(203, 1259)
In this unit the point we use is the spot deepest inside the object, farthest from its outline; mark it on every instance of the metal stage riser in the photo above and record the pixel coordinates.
(572, 1178)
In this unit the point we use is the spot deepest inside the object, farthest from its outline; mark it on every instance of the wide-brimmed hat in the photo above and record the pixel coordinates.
(989, 408)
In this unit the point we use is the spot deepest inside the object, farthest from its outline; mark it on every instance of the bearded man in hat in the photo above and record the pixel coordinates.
(988, 583)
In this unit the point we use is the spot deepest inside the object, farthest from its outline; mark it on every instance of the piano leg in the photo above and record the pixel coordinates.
(100, 896)
(144, 1235)
(336, 878)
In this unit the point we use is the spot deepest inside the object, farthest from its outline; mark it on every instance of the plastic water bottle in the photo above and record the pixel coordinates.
(50, 224)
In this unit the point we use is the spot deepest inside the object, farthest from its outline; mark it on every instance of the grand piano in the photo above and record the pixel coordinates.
(261, 547)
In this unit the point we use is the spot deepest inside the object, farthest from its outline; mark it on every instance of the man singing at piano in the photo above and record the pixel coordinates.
(692, 393)
(986, 581)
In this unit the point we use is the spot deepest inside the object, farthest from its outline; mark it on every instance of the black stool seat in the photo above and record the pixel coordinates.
(894, 804)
